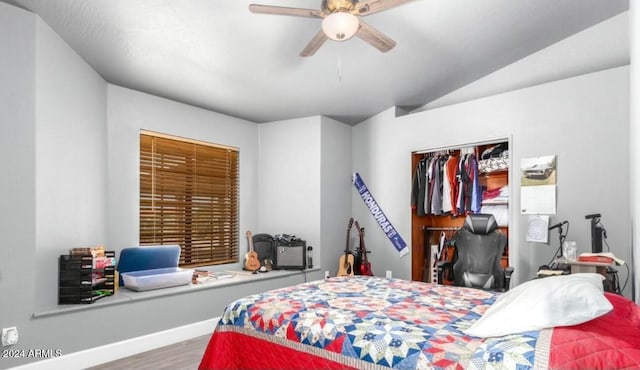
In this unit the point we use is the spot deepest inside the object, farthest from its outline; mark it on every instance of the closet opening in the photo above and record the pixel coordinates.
(447, 184)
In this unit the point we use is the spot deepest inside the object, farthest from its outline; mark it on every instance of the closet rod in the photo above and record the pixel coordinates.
(460, 146)
(439, 228)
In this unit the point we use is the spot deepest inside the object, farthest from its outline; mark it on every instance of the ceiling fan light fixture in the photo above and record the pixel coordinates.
(340, 26)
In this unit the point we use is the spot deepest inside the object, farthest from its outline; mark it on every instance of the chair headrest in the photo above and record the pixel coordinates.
(480, 223)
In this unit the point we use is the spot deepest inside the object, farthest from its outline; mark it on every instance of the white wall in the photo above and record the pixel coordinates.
(71, 157)
(70, 143)
(336, 192)
(582, 120)
(305, 172)
(381, 158)
(304, 186)
(634, 138)
(17, 150)
(602, 46)
(46, 87)
(289, 173)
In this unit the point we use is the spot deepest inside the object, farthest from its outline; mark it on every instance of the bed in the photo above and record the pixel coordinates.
(365, 322)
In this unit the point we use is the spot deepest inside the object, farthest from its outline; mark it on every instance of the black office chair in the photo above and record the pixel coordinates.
(479, 246)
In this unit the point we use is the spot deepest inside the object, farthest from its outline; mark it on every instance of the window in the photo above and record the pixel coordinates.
(189, 196)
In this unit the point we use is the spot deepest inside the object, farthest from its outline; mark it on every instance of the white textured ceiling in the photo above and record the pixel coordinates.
(217, 55)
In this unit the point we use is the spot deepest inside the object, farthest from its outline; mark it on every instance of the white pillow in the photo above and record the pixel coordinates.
(544, 303)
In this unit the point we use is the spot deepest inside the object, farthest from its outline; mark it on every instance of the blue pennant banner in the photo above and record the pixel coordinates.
(379, 216)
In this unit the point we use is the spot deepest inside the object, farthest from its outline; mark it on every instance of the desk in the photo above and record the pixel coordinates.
(598, 267)
(610, 282)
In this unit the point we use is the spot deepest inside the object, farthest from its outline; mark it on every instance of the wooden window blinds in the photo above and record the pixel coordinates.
(189, 196)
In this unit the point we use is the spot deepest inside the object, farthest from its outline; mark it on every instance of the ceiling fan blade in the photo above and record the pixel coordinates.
(374, 37)
(314, 44)
(366, 7)
(283, 10)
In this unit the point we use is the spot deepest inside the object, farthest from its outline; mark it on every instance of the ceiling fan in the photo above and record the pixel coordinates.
(340, 21)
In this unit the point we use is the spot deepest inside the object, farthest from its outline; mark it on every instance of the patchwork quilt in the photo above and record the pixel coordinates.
(366, 322)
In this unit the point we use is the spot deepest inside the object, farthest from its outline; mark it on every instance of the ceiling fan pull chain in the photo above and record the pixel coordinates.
(339, 68)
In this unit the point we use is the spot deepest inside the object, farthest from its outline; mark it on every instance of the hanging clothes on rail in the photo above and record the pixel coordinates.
(429, 195)
(450, 185)
(436, 185)
(470, 195)
(422, 189)
(418, 187)
(442, 182)
(462, 178)
(476, 189)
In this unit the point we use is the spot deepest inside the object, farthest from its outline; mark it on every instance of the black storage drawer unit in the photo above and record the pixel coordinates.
(76, 262)
(79, 282)
(75, 278)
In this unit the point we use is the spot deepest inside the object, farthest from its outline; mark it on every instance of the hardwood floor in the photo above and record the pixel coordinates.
(183, 356)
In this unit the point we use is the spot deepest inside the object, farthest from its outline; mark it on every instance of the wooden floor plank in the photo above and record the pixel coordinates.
(182, 355)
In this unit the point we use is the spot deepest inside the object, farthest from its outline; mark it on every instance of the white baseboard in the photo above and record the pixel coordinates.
(114, 351)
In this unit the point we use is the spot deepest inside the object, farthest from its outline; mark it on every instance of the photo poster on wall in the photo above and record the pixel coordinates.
(538, 185)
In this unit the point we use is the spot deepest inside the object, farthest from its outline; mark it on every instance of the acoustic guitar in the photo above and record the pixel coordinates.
(345, 265)
(365, 265)
(251, 261)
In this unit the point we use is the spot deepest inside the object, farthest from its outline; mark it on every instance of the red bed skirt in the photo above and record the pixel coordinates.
(223, 352)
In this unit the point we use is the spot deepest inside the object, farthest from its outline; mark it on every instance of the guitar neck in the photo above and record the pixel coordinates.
(346, 247)
(250, 240)
(252, 263)
(363, 249)
(345, 264)
(364, 256)
(366, 267)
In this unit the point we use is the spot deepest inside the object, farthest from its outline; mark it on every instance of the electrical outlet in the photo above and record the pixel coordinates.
(388, 274)
(9, 336)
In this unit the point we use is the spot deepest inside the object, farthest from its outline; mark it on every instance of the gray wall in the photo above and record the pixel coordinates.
(70, 142)
(131, 111)
(18, 152)
(583, 120)
(57, 113)
(603, 46)
(71, 157)
(336, 191)
(634, 137)
(289, 178)
(304, 186)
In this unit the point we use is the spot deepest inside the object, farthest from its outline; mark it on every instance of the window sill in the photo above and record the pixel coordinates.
(124, 295)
